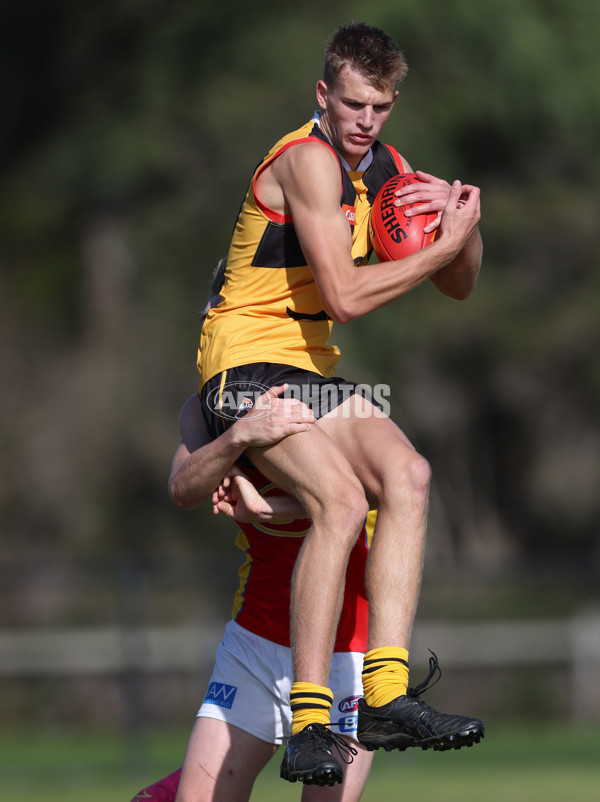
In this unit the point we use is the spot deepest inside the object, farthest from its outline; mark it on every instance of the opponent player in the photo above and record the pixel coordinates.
(298, 261)
(246, 714)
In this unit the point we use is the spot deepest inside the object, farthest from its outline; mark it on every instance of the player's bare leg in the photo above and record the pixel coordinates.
(310, 466)
(391, 715)
(396, 478)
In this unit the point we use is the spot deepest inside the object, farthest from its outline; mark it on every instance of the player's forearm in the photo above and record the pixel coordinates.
(371, 287)
(194, 479)
(458, 278)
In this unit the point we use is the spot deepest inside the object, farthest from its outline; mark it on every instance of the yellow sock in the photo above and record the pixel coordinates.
(310, 705)
(384, 675)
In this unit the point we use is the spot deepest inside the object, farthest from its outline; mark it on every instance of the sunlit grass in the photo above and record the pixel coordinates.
(521, 764)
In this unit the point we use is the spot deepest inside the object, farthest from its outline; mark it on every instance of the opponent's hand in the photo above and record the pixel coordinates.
(272, 418)
(236, 497)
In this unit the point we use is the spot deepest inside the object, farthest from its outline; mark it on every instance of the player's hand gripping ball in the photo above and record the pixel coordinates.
(394, 235)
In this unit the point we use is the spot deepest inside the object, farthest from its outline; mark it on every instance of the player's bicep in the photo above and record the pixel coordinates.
(327, 246)
(313, 190)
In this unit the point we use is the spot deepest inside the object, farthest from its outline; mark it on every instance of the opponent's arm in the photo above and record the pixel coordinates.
(309, 177)
(200, 463)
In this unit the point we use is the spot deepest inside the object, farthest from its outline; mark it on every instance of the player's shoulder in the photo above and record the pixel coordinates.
(308, 160)
(300, 157)
(298, 144)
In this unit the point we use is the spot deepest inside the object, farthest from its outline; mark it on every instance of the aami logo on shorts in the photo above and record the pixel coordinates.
(349, 703)
(220, 694)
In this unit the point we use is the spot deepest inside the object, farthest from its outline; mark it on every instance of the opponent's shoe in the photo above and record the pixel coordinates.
(309, 756)
(407, 721)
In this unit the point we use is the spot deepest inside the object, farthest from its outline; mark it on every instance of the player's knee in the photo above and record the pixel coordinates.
(410, 479)
(419, 474)
(356, 507)
(341, 508)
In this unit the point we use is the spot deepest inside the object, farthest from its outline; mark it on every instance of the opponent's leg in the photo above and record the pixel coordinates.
(221, 763)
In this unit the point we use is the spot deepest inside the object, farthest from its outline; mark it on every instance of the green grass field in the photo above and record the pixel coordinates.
(514, 764)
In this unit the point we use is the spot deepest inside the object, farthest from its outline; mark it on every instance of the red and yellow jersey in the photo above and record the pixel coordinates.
(270, 309)
(262, 601)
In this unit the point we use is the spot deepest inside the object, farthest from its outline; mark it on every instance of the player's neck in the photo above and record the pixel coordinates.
(352, 162)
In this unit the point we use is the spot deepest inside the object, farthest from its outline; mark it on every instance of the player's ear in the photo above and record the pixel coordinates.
(322, 91)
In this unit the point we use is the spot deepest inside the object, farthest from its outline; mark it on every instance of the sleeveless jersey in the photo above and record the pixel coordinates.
(262, 601)
(270, 309)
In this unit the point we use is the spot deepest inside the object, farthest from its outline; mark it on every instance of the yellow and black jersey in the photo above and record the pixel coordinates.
(270, 309)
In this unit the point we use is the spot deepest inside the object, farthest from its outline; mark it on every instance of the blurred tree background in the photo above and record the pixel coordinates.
(129, 131)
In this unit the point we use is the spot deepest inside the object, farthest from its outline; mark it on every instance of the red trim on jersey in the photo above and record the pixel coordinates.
(398, 160)
(276, 217)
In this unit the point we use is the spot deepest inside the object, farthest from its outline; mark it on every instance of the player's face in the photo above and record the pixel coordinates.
(354, 112)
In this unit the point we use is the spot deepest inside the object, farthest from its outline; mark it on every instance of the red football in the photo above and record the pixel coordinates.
(394, 235)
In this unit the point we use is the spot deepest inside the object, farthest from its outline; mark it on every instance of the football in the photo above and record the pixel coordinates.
(393, 234)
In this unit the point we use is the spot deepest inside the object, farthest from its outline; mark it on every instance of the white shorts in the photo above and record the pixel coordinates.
(251, 681)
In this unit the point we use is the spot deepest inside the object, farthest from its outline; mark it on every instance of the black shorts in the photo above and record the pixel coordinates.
(229, 395)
